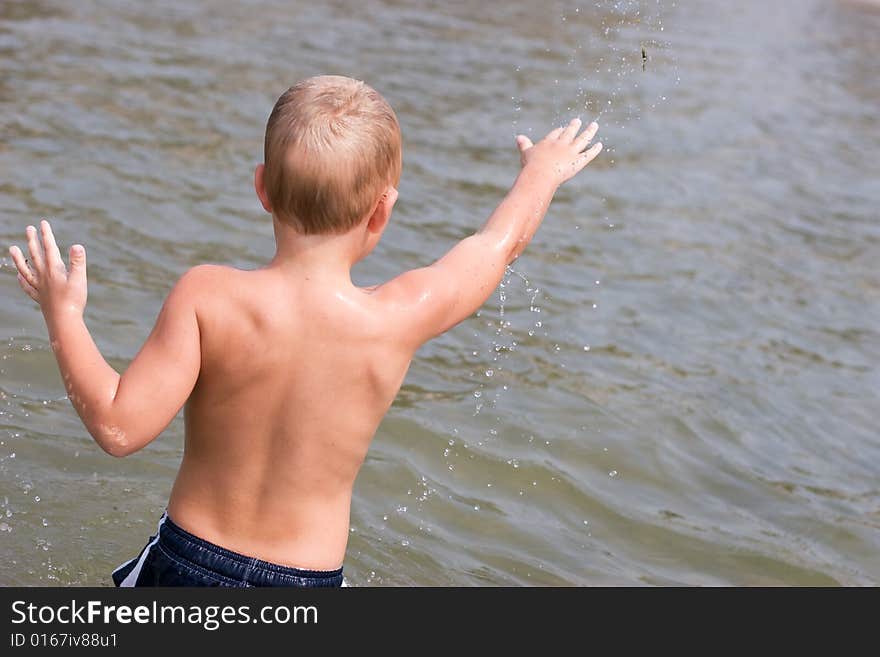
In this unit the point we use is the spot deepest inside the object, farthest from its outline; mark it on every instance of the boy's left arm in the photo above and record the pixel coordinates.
(123, 413)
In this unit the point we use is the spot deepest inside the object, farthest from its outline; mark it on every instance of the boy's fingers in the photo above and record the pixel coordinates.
(588, 156)
(28, 288)
(36, 251)
(53, 256)
(587, 136)
(523, 142)
(554, 134)
(21, 264)
(77, 260)
(571, 129)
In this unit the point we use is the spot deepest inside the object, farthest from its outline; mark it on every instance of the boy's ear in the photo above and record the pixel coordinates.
(260, 188)
(379, 219)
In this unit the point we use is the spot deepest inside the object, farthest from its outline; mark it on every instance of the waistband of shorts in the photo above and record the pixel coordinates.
(174, 536)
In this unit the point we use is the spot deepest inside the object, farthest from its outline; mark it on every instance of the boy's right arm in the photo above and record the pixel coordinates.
(428, 301)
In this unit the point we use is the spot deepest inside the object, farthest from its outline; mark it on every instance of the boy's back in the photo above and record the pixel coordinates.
(286, 371)
(296, 375)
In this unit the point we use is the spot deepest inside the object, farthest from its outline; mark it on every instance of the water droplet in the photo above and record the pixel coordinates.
(477, 394)
(36, 498)
(613, 473)
(490, 373)
(586, 347)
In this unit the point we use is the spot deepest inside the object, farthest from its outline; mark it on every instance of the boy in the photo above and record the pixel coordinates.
(285, 371)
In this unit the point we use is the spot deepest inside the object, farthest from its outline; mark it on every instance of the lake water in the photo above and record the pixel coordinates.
(677, 384)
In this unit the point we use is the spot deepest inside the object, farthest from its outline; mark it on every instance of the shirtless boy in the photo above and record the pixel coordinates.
(264, 360)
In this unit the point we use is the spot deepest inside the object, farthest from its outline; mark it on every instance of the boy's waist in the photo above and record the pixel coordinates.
(234, 565)
(277, 523)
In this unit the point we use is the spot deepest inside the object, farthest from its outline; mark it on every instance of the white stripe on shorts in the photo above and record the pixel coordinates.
(132, 577)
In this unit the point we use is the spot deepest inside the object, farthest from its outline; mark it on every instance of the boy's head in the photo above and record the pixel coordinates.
(332, 149)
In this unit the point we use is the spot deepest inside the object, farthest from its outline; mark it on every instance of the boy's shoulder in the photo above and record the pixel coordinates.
(204, 285)
(210, 272)
(196, 280)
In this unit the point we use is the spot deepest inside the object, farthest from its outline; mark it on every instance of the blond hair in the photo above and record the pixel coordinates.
(332, 147)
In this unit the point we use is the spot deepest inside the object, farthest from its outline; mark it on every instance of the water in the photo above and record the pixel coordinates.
(684, 383)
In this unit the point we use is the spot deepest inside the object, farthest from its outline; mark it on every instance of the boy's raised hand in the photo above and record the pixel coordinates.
(562, 153)
(123, 413)
(44, 277)
(432, 299)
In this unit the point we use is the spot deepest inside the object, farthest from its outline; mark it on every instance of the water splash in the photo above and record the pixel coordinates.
(503, 342)
(617, 65)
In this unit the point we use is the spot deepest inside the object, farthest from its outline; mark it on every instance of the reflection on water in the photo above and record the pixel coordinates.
(677, 384)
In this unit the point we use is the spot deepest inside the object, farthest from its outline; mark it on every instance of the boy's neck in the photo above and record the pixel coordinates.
(325, 255)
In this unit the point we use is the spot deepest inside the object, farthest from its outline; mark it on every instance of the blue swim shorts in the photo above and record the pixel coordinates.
(174, 557)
